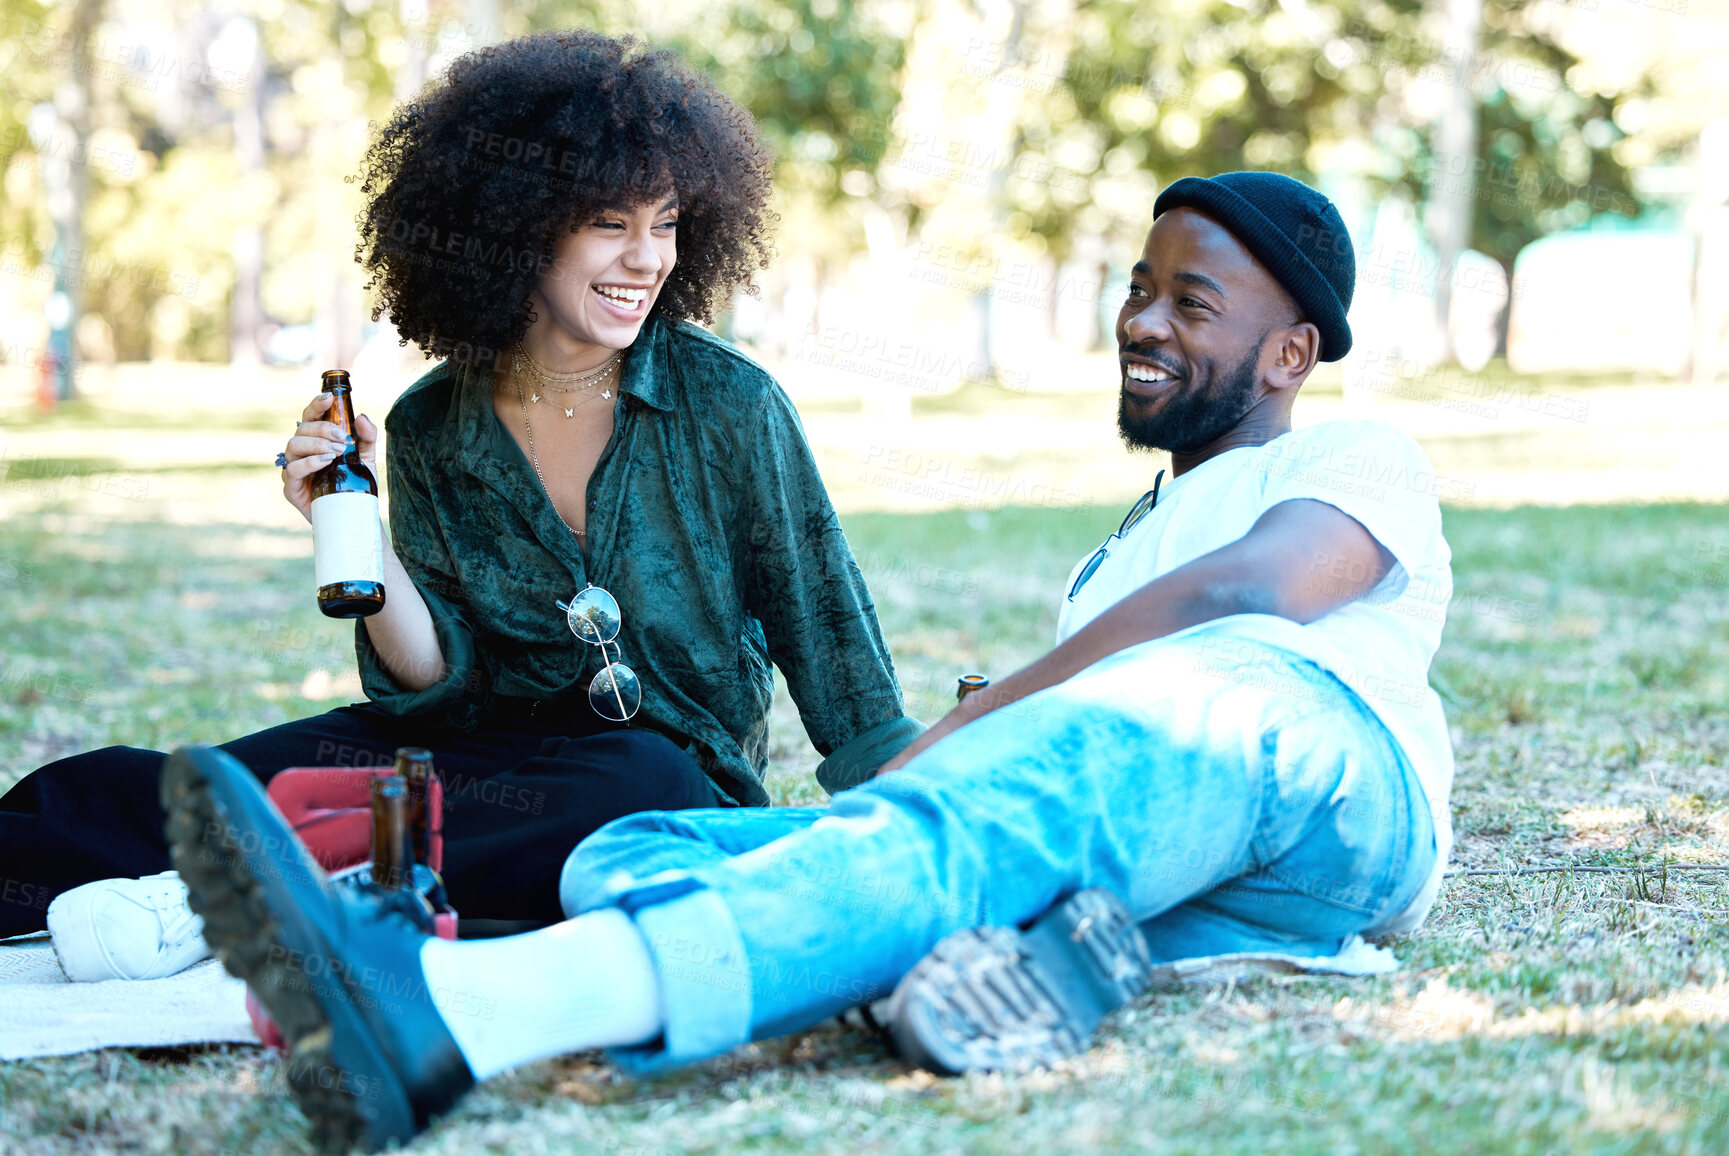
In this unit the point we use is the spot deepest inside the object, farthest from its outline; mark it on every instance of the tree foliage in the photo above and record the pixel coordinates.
(1213, 85)
(1111, 99)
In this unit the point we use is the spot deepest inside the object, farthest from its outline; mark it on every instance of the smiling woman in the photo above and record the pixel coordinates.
(471, 186)
(548, 219)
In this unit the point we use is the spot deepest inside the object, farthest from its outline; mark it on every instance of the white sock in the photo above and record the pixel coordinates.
(586, 983)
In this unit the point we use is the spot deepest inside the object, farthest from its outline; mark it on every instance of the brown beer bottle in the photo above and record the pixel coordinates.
(347, 540)
(414, 764)
(392, 856)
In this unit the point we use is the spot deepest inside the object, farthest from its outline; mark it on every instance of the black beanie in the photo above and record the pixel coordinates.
(1292, 230)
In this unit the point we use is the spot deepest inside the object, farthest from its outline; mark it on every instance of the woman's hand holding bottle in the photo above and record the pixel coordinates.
(317, 443)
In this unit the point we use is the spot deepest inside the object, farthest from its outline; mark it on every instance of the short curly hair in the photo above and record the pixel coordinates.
(469, 185)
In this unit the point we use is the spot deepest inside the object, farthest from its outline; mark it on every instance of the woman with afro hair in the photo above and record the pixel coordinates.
(548, 220)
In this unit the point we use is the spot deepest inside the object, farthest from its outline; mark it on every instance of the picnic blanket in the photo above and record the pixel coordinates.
(1356, 956)
(42, 1013)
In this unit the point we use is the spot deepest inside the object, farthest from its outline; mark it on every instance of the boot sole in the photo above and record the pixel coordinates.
(340, 1079)
(998, 999)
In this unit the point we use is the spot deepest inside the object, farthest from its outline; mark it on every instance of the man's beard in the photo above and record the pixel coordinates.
(1194, 419)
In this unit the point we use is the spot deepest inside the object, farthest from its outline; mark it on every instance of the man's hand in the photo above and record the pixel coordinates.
(1302, 559)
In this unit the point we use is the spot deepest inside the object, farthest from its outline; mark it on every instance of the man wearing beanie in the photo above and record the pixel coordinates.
(1233, 748)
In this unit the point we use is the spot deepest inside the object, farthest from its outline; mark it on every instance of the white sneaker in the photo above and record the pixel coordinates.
(126, 929)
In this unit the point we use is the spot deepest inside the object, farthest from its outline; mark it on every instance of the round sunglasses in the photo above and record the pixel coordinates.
(615, 693)
(1136, 512)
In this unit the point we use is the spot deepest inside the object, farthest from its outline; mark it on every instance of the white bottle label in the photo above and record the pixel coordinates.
(347, 541)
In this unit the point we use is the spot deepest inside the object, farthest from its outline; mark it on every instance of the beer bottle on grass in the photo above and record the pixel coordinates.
(414, 764)
(392, 852)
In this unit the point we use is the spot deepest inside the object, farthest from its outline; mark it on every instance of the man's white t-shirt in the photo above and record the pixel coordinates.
(1379, 645)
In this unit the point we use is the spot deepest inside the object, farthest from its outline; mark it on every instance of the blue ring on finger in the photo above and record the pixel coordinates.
(281, 460)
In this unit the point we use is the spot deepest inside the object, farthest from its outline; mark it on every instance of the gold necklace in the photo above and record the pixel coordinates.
(569, 410)
(565, 382)
(534, 459)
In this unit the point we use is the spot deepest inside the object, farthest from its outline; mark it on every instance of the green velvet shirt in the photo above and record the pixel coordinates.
(709, 523)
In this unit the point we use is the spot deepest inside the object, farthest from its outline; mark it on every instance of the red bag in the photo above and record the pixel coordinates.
(330, 808)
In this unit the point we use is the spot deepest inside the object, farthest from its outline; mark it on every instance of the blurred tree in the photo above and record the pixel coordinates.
(62, 141)
(241, 53)
(1061, 119)
(26, 56)
(822, 78)
(1452, 147)
(1209, 86)
(1545, 156)
(1298, 87)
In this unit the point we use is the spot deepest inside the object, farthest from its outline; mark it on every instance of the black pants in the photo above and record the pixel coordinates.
(518, 798)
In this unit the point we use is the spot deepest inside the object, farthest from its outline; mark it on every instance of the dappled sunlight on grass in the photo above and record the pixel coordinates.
(1438, 1012)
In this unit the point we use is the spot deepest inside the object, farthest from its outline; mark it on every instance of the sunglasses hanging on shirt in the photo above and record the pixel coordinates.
(1139, 510)
(614, 693)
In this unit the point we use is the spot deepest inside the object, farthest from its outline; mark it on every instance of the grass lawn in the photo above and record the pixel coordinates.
(1586, 672)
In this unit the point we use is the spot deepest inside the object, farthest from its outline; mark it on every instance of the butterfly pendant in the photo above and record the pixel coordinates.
(570, 412)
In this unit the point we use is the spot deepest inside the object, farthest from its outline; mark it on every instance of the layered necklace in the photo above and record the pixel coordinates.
(587, 381)
(558, 383)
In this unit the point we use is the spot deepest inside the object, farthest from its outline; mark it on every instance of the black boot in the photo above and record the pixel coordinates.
(370, 1059)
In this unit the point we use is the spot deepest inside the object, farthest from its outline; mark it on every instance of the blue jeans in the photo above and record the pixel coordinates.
(1236, 796)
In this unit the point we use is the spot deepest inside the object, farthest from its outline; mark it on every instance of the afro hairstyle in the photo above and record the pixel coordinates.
(469, 185)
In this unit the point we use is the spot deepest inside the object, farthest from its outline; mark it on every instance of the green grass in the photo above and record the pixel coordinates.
(1586, 672)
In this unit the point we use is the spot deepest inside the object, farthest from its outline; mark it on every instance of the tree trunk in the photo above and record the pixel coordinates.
(983, 301)
(1099, 334)
(66, 172)
(1503, 324)
(246, 308)
(484, 24)
(1708, 219)
(1053, 269)
(413, 73)
(1452, 187)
